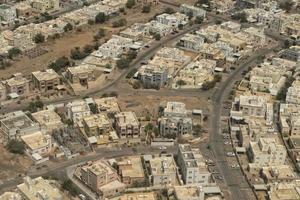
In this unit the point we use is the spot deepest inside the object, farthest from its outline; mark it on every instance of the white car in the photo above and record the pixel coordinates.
(230, 154)
(162, 148)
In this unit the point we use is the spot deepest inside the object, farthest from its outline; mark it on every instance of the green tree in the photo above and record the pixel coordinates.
(131, 55)
(199, 20)
(59, 64)
(180, 82)
(119, 22)
(146, 9)
(190, 15)
(169, 10)
(130, 3)
(157, 36)
(13, 52)
(131, 73)
(39, 38)
(123, 63)
(69, 186)
(197, 129)
(286, 5)
(68, 27)
(77, 54)
(15, 146)
(101, 18)
(93, 108)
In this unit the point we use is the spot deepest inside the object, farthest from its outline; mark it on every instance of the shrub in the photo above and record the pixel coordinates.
(146, 9)
(59, 64)
(101, 18)
(130, 3)
(39, 38)
(13, 52)
(68, 27)
(15, 146)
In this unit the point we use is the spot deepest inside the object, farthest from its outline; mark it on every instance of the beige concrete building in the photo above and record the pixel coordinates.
(95, 125)
(137, 196)
(289, 119)
(10, 196)
(131, 169)
(127, 125)
(37, 189)
(46, 81)
(49, 120)
(101, 178)
(284, 191)
(43, 6)
(266, 152)
(16, 124)
(82, 74)
(192, 165)
(278, 173)
(107, 104)
(163, 171)
(18, 84)
(37, 143)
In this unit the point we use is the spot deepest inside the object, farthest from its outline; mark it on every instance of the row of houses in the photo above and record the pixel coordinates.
(188, 170)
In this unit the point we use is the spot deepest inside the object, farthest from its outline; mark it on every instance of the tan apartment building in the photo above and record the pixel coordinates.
(43, 6)
(46, 81)
(127, 124)
(82, 74)
(131, 169)
(17, 85)
(37, 143)
(48, 120)
(95, 125)
(101, 178)
(107, 104)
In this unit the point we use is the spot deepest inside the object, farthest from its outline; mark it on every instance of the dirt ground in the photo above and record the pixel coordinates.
(144, 104)
(12, 165)
(62, 46)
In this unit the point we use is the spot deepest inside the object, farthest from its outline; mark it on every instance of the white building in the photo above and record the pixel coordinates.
(172, 20)
(191, 42)
(153, 76)
(266, 152)
(77, 110)
(192, 165)
(197, 12)
(7, 13)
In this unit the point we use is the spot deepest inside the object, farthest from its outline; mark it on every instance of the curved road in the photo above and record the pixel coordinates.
(234, 178)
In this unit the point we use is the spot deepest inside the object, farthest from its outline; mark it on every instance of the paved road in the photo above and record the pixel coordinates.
(59, 167)
(233, 178)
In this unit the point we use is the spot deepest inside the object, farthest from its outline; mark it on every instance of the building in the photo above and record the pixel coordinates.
(46, 81)
(16, 124)
(192, 165)
(163, 171)
(18, 85)
(195, 192)
(191, 42)
(197, 12)
(289, 119)
(137, 195)
(23, 10)
(7, 13)
(292, 53)
(127, 125)
(48, 120)
(280, 191)
(293, 93)
(195, 74)
(82, 74)
(175, 121)
(172, 20)
(95, 125)
(153, 76)
(43, 6)
(107, 105)
(101, 178)
(37, 189)
(249, 106)
(77, 110)
(3, 94)
(266, 152)
(278, 173)
(37, 143)
(10, 196)
(247, 3)
(131, 170)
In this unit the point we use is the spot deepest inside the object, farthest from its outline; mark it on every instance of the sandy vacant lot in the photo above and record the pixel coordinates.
(12, 165)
